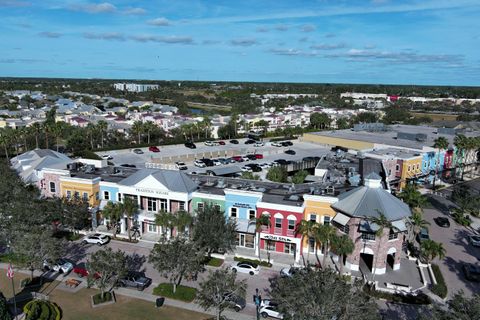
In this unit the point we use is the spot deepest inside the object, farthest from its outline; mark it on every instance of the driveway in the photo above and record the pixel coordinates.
(459, 251)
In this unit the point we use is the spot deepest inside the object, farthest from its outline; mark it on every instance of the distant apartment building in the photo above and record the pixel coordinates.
(135, 87)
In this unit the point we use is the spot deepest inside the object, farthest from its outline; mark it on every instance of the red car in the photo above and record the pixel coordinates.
(238, 158)
(259, 156)
(153, 149)
(82, 272)
(222, 143)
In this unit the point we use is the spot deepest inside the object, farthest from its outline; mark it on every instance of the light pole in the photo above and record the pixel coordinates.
(258, 300)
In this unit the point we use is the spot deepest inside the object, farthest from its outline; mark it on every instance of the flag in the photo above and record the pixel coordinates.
(10, 271)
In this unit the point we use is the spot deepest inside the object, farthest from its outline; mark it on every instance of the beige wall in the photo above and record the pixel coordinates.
(331, 141)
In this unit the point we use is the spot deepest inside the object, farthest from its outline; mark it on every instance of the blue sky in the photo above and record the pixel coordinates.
(371, 41)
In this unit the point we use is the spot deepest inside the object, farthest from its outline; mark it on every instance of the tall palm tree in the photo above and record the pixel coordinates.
(102, 126)
(129, 208)
(5, 140)
(37, 129)
(411, 196)
(383, 223)
(183, 219)
(91, 131)
(306, 229)
(148, 128)
(324, 234)
(166, 221)
(206, 123)
(417, 223)
(24, 133)
(431, 250)
(460, 143)
(260, 222)
(137, 128)
(46, 130)
(57, 130)
(342, 246)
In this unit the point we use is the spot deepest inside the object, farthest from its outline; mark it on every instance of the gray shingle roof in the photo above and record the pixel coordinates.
(368, 202)
(173, 180)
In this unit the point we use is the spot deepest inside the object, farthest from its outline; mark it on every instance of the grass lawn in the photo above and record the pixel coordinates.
(182, 293)
(214, 262)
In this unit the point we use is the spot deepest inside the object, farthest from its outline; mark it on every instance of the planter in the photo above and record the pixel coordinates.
(111, 300)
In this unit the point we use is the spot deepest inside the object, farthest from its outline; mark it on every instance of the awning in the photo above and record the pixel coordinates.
(366, 226)
(399, 225)
(342, 219)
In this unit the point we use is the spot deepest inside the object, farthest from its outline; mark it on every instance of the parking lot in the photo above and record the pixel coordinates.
(170, 154)
(459, 251)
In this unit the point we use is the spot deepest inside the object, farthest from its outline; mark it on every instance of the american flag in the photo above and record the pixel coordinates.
(10, 271)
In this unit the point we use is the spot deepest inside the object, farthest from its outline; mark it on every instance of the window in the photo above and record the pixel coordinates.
(200, 206)
(311, 244)
(418, 166)
(368, 236)
(163, 205)
(397, 167)
(85, 196)
(326, 220)
(152, 227)
(217, 207)
(425, 165)
(97, 195)
(69, 194)
(291, 225)
(106, 195)
(344, 229)
(151, 204)
(119, 197)
(313, 217)
(278, 223)
(270, 245)
(409, 167)
(233, 212)
(251, 214)
(52, 187)
(392, 235)
(181, 206)
(76, 195)
(289, 248)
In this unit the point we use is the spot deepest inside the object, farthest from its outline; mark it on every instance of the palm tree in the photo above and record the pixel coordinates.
(36, 128)
(431, 249)
(323, 234)
(91, 131)
(129, 207)
(342, 246)
(57, 129)
(260, 222)
(441, 143)
(411, 196)
(102, 126)
(306, 229)
(383, 223)
(24, 132)
(46, 129)
(417, 222)
(5, 140)
(460, 143)
(183, 219)
(207, 123)
(137, 128)
(149, 127)
(165, 220)
(113, 212)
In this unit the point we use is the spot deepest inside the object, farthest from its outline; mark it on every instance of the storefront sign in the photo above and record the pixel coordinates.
(242, 205)
(275, 238)
(165, 193)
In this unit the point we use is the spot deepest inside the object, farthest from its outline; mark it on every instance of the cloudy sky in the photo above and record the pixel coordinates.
(347, 41)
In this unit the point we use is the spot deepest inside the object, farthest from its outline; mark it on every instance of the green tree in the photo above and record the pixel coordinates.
(260, 222)
(342, 246)
(129, 209)
(323, 296)
(4, 312)
(109, 265)
(366, 117)
(343, 123)
(461, 143)
(166, 221)
(177, 259)
(429, 250)
(114, 213)
(417, 223)
(249, 176)
(299, 176)
(324, 233)
(36, 129)
(218, 290)
(183, 220)
(58, 130)
(149, 127)
(460, 307)
(411, 196)
(137, 129)
(91, 132)
(306, 228)
(277, 174)
(102, 126)
(320, 120)
(5, 140)
(213, 232)
(441, 143)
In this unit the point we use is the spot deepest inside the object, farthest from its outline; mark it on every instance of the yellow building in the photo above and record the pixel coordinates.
(83, 188)
(411, 167)
(317, 208)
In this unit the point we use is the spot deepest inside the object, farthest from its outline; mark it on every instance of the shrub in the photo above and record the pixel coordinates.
(214, 262)
(40, 309)
(97, 299)
(262, 263)
(421, 298)
(183, 293)
(440, 289)
(87, 154)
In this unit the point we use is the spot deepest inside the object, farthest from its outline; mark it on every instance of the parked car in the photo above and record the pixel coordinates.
(237, 158)
(290, 152)
(190, 145)
(258, 156)
(245, 267)
(199, 163)
(474, 240)
(83, 272)
(234, 141)
(259, 144)
(246, 169)
(423, 235)
(270, 311)
(250, 141)
(245, 158)
(236, 302)
(281, 162)
(224, 160)
(471, 271)
(97, 238)
(126, 165)
(222, 143)
(288, 272)
(137, 151)
(107, 157)
(251, 157)
(268, 302)
(135, 280)
(255, 167)
(208, 162)
(277, 144)
(217, 162)
(180, 165)
(442, 222)
(153, 149)
(265, 165)
(61, 266)
(287, 143)
(211, 143)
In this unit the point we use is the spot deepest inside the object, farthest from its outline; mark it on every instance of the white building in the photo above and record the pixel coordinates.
(135, 87)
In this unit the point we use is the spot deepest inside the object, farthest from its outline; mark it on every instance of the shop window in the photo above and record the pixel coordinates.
(313, 217)
(249, 241)
(251, 214)
(106, 195)
(311, 244)
(278, 223)
(163, 205)
(151, 204)
(52, 187)
(76, 195)
(408, 168)
(326, 220)
(270, 245)
(418, 166)
(289, 248)
(233, 212)
(152, 227)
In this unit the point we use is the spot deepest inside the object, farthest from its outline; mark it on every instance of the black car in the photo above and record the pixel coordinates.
(135, 280)
(250, 141)
(442, 222)
(235, 302)
(234, 141)
(290, 152)
(287, 143)
(208, 162)
(255, 167)
(190, 145)
(282, 162)
(251, 157)
(471, 271)
(126, 165)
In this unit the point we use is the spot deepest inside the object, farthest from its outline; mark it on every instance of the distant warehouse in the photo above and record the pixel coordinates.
(135, 87)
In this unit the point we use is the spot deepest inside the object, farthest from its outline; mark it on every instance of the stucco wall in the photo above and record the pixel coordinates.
(331, 141)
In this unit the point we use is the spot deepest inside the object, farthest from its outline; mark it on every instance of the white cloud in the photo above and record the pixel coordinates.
(159, 22)
(104, 7)
(135, 11)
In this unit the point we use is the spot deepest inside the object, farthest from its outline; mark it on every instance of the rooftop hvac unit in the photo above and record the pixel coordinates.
(89, 168)
(72, 166)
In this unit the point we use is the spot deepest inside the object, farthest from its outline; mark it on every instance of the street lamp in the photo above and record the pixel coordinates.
(257, 299)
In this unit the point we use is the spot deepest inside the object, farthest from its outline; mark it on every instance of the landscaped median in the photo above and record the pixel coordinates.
(214, 262)
(440, 289)
(262, 263)
(182, 293)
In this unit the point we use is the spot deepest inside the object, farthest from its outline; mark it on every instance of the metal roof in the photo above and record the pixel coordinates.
(172, 179)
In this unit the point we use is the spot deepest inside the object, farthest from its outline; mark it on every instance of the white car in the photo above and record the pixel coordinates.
(180, 165)
(245, 158)
(474, 240)
(96, 238)
(217, 162)
(270, 311)
(107, 157)
(199, 163)
(245, 267)
(265, 165)
(268, 302)
(258, 144)
(211, 143)
(61, 266)
(246, 169)
(277, 144)
(289, 271)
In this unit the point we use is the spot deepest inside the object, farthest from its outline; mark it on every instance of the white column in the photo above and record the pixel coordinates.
(123, 227)
(257, 244)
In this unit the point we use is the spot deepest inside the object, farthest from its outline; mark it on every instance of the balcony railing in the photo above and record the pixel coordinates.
(290, 233)
(278, 231)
